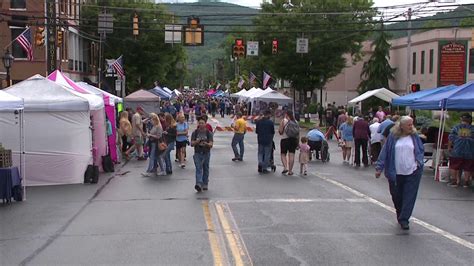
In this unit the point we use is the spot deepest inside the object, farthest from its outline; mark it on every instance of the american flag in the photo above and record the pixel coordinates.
(241, 83)
(24, 39)
(118, 66)
(252, 78)
(266, 79)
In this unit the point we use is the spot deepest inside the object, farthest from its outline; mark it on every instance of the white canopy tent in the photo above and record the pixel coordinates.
(274, 96)
(57, 132)
(251, 93)
(11, 115)
(381, 93)
(259, 93)
(239, 93)
(92, 89)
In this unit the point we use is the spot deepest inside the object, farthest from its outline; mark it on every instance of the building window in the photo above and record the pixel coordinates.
(422, 63)
(18, 4)
(431, 60)
(413, 67)
(17, 50)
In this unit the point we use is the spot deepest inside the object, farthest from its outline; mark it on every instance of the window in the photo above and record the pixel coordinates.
(431, 60)
(422, 63)
(413, 67)
(471, 60)
(18, 4)
(17, 51)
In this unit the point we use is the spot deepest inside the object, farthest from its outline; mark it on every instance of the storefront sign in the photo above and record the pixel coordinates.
(452, 63)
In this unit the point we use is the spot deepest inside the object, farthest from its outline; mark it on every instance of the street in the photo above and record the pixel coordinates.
(335, 215)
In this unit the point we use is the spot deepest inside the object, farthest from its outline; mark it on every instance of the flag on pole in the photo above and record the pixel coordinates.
(218, 86)
(252, 78)
(24, 39)
(241, 83)
(118, 66)
(266, 79)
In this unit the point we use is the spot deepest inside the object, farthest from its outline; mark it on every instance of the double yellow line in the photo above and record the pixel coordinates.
(229, 230)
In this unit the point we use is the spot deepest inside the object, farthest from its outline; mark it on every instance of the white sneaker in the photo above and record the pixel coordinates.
(146, 174)
(162, 173)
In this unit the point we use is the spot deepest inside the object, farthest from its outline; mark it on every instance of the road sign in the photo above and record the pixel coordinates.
(252, 48)
(302, 45)
(173, 33)
(118, 85)
(106, 23)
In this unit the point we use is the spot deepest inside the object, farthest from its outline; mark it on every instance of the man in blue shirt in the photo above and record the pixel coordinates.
(461, 148)
(265, 130)
(315, 140)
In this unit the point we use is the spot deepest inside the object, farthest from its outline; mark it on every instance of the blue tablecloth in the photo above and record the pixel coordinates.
(9, 178)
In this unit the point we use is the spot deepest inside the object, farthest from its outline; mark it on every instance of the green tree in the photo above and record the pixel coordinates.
(330, 34)
(467, 22)
(377, 72)
(146, 57)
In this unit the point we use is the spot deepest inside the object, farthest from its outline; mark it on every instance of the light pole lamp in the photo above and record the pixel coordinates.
(7, 63)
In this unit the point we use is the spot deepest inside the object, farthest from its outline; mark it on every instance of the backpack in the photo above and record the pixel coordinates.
(292, 129)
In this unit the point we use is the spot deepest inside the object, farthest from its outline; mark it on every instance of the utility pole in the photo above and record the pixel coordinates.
(409, 13)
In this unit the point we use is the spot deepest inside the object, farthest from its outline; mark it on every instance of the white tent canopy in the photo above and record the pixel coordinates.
(252, 92)
(274, 96)
(381, 93)
(259, 93)
(57, 132)
(92, 89)
(10, 102)
(239, 93)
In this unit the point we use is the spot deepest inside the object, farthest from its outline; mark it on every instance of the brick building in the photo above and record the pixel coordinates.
(76, 55)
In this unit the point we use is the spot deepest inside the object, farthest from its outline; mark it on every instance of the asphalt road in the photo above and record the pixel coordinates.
(335, 215)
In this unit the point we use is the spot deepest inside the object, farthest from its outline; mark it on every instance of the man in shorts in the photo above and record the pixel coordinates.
(138, 132)
(461, 149)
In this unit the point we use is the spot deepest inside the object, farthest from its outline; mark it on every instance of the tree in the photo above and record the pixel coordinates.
(331, 35)
(146, 57)
(377, 72)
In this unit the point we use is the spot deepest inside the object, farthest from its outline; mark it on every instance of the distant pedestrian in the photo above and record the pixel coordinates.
(170, 136)
(361, 133)
(240, 128)
(304, 155)
(401, 159)
(154, 138)
(461, 148)
(265, 129)
(346, 130)
(315, 141)
(138, 133)
(375, 140)
(380, 114)
(287, 144)
(202, 141)
(181, 139)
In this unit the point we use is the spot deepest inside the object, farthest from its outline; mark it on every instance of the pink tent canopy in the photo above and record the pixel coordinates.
(99, 132)
(211, 92)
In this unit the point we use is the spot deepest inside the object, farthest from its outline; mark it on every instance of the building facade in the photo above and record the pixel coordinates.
(436, 58)
(76, 55)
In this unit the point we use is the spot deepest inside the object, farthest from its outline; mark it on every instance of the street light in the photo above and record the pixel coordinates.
(7, 63)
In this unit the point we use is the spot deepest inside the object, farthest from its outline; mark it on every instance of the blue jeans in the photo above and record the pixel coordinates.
(201, 161)
(238, 139)
(169, 166)
(152, 160)
(404, 192)
(264, 154)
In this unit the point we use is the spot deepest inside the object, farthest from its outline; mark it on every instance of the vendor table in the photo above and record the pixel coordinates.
(9, 178)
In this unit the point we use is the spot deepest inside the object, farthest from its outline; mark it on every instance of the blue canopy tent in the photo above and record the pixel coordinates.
(164, 95)
(448, 98)
(409, 99)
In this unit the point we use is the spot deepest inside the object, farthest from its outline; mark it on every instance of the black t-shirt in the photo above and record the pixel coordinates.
(204, 136)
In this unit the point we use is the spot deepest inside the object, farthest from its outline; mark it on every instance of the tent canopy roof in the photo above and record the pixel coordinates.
(95, 90)
(449, 97)
(10, 102)
(274, 96)
(95, 102)
(408, 99)
(381, 93)
(161, 92)
(142, 96)
(42, 94)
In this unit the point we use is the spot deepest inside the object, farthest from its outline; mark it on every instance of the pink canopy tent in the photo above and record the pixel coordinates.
(211, 92)
(110, 101)
(99, 132)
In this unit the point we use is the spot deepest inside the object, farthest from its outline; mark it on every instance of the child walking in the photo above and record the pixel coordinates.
(304, 155)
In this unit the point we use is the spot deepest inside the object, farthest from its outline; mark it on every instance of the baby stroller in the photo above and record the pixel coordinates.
(272, 160)
(325, 155)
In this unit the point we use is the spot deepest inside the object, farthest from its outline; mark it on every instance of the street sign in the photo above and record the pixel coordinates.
(118, 85)
(302, 45)
(173, 33)
(252, 48)
(308, 94)
(106, 23)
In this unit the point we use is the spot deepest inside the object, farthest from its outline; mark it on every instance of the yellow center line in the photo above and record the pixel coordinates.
(232, 237)
(214, 242)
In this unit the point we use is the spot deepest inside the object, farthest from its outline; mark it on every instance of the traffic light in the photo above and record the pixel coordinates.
(238, 49)
(135, 25)
(415, 87)
(60, 37)
(39, 36)
(274, 46)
